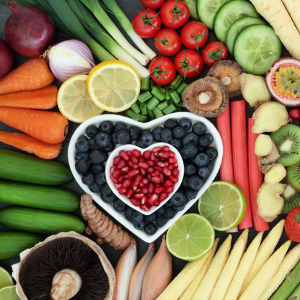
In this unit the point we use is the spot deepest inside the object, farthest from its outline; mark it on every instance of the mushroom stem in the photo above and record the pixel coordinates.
(204, 97)
(65, 285)
(226, 80)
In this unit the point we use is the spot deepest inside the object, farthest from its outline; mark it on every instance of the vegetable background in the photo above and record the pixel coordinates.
(130, 7)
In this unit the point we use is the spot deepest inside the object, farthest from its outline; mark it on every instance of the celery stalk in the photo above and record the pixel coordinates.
(295, 294)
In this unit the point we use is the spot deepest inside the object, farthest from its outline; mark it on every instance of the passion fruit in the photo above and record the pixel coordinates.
(283, 81)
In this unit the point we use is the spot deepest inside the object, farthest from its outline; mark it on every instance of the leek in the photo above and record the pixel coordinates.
(92, 25)
(113, 30)
(113, 7)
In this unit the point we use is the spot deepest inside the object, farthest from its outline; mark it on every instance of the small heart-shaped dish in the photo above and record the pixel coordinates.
(130, 147)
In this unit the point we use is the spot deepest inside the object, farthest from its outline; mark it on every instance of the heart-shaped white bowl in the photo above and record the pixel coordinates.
(129, 147)
(150, 125)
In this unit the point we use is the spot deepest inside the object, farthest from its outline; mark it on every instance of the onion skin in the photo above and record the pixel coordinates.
(6, 58)
(158, 274)
(29, 31)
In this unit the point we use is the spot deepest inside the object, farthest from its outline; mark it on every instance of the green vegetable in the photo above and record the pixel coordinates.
(40, 221)
(145, 97)
(168, 96)
(36, 196)
(145, 85)
(175, 97)
(296, 293)
(151, 114)
(157, 112)
(176, 82)
(152, 103)
(192, 8)
(143, 118)
(171, 108)
(27, 168)
(162, 105)
(158, 94)
(132, 115)
(144, 109)
(135, 108)
(13, 243)
(182, 88)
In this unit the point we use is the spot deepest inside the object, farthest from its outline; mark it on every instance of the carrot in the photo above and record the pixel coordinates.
(33, 74)
(30, 144)
(47, 126)
(44, 98)
(255, 178)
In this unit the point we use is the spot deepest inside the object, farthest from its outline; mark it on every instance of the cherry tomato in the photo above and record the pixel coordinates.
(294, 113)
(194, 35)
(188, 63)
(162, 70)
(146, 23)
(174, 13)
(167, 42)
(214, 52)
(154, 4)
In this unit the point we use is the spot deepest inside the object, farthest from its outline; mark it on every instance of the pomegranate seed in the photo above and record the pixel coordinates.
(163, 154)
(172, 160)
(172, 154)
(157, 184)
(149, 176)
(135, 202)
(158, 190)
(126, 183)
(122, 191)
(145, 207)
(150, 163)
(129, 193)
(169, 189)
(145, 181)
(124, 155)
(143, 165)
(175, 172)
(144, 200)
(160, 164)
(176, 165)
(150, 170)
(138, 179)
(112, 169)
(151, 188)
(147, 154)
(168, 183)
(132, 173)
(141, 185)
(156, 179)
(145, 191)
(121, 178)
(121, 164)
(171, 167)
(130, 164)
(134, 160)
(125, 169)
(161, 176)
(165, 148)
(116, 160)
(114, 180)
(156, 203)
(166, 163)
(138, 190)
(166, 171)
(173, 179)
(143, 171)
(139, 195)
(156, 149)
(135, 166)
(158, 168)
(118, 185)
(155, 173)
(152, 157)
(141, 159)
(136, 153)
(152, 199)
(163, 196)
(117, 173)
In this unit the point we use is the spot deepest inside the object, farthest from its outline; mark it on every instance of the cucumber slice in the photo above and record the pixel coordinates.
(229, 13)
(192, 5)
(256, 48)
(237, 27)
(207, 10)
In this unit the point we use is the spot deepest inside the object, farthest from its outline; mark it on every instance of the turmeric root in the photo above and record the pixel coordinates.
(105, 229)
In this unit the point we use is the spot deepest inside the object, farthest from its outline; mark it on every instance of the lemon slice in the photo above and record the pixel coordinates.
(74, 101)
(9, 293)
(5, 278)
(113, 85)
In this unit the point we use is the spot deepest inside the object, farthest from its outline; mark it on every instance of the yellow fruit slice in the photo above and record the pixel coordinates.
(113, 85)
(9, 293)
(5, 278)
(74, 101)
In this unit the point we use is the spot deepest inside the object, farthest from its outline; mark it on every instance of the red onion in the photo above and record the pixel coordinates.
(69, 58)
(29, 31)
(6, 58)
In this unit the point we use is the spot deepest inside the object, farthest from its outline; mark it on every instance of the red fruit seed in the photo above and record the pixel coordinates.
(145, 207)
(135, 202)
(134, 160)
(160, 164)
(116, 160)
(143, 171)
(147, 154)
(122, 191)
(125, 169)
(163, 196)
(132, 173)
(118, 185)
(150, 188)
(174, 179)
(156, 179)
(163, 154)
(129, 193)
(136, 153)
(169, 189)
(152, 199)
(175, 172)
(121, 164)
(172, 160)
(124, 155)
(166, 171)
(158, 190)
(143, 165)
(156, 149)
(126, 183)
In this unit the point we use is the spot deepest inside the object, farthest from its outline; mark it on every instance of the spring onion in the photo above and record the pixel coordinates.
(162, 105)
(145, 97)
(144, 109)
(114, 8)
(175, 97)
(152, 103)
(158, 94)
(113, 30)
(145, 85)
(176, 82)
(157, 112)
(135, 108)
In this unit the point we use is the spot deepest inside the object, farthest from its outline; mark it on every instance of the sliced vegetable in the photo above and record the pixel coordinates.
(263, 144)
(192, 5)
(162, 70)
(6, 58)
(214, 52)
(275, 174)
(167, 41)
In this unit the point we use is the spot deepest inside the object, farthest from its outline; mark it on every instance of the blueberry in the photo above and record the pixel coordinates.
(201, 149)
(189, 170)
(120, 126)
(190, 194)
(150, 229)
(139, 143)
(185, 123)
(98, 157)
(106, 190)
(84, 155)
(162, 210)
(123, 137)
(157, 133)
(91, 131)
(103, 139)
(176, 143)
(113, 138)
(88, 178)
(95, 188)
(178, 133)
(139, 224)
(147, 138)
(100, 178)
(210, 167)
(81, 166)
(204, 141)
(178, 199)
(195, 182)
(97, 168)
(119, 205)
(110, 147)
(190, 151)
(93, 144)
(166, 135)
(134, 133)
(184, 157)
(168, 204)
(190, 138)
(171, 123)
(203, 172)
(170, 212)
(184, 183)
(199, 128)
(137, 217)
(82, 137)
(106, 127)
(161, 220)
(211, 152)
(151, 218)
(202, 160)
(128, 213)
(82, 146)
(179, 208)
(108, 198)
(210, 137)
(145, 130)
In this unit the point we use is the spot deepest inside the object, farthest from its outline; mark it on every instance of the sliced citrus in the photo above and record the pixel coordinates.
(5, 278)
(9, 293)
(74, 101)
(190, 237)
(113, 85)
(223, 204)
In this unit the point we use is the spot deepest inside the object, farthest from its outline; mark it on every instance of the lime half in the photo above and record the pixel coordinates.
(191, 237)
(9, 293)
(223, 204)
(5, 278)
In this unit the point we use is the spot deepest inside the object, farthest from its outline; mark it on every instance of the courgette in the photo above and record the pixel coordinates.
(39, 221)
(37, 196)
(13, 243)
(27, 168)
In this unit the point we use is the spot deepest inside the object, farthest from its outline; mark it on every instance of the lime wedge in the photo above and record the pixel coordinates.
(223, 204)
(5, 278)
(191, 237)
(9, 293)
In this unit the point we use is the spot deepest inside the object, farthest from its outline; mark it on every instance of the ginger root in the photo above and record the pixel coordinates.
(254, 89)
(269, 202)
(265, 163)
(105, 229)
(275, 174)
(269, 117)
(263, 145)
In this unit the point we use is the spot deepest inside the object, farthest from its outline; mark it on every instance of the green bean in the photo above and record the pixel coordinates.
(171, 108)
(144, 109)
(175, 97)
(144, 97)
(158, 94)
(152, 103)
(157, 112)
(145, 86)
(176, 82)
(162, 105)
(135, 108)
